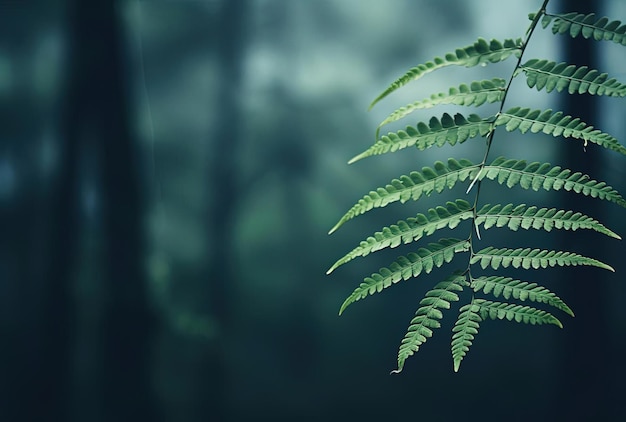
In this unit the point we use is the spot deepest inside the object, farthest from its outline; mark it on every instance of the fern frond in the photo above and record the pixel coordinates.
(550, 75)
(545, 176)
(405, 267)
(531, 258)
(478, 93)
(587, 26)
(532, 217)
(413, 187)
(437, 132)
(410, 230)
(520, 290)
(517, 313)
(556, 124)
(465, 328)
(428, 315)
(478, 53)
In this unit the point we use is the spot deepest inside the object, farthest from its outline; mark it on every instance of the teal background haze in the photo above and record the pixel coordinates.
(238, 118)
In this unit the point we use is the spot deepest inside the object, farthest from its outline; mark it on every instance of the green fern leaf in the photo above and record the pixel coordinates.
(449, 129)
(517, 313)
(546, 74)
(531, 258)
(588, 26)
(545, 19)
(545, 176)
(413, 187)
(428, 315)
(405, 267)
(520, 290)
(555, 124)
(410, 230)
(478, 93)
(515, 217)
(465, 328)
(480, 52)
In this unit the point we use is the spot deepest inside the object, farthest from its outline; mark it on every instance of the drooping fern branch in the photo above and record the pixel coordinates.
(465, 285)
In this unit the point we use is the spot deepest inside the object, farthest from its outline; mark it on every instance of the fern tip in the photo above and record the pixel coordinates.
(355, 159)
(605, 266)
(334, 266)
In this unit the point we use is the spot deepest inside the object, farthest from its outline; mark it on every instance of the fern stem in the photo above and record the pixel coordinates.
(529, 33)
(490, 135)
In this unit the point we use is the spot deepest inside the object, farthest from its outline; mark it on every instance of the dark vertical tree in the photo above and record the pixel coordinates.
(97, 109)
(39, 371)
(585, 392)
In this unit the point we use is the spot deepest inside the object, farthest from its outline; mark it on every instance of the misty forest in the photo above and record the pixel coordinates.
(169, 173)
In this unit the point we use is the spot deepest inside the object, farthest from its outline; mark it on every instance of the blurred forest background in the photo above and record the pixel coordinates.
(169, 171)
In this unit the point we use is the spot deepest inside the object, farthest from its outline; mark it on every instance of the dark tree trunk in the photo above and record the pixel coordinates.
(584, 392)
(48, 382)
(35, 305)
(100, 107)
(51, 386)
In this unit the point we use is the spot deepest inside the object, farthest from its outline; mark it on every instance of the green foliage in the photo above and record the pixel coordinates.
(530, 258)
(413, 186)
(588, 26)
(464, 285)
(424, 260)
(412, 229)
(465, 328)
(546, 74)
(537, 176)
(428, 315)
(520, 290)
(481, 52)
(555, 124)
(521, 216)
(478, 93)
(437, 132)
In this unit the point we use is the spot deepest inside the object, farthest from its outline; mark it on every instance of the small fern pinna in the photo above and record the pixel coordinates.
(489, 296)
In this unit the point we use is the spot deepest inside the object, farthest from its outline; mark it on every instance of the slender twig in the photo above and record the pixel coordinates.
(489, 137)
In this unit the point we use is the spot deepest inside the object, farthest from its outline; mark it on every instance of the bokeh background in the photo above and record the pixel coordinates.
(169, 171)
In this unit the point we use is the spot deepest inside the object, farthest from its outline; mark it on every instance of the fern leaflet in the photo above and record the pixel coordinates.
(555, 124)
(531, 258)
(520, 290)
(413, 187)
(405, 267)
(517, 313)
(410, 230)
(465, 328)
(544, 176)
(532, 217)
(480, 52)
(478, 93)
(428, 315)
(449, 129)
(547, 74)
(587, 26)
